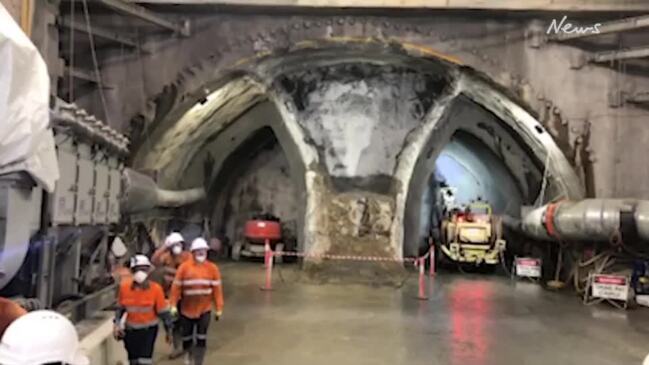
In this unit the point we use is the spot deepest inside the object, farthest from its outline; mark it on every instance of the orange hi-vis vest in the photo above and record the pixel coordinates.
(143, 305)
(199, 285)
(170, 264)
(9, 312)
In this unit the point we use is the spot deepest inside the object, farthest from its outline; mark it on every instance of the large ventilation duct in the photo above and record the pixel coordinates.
(589, 219)
(141, 193)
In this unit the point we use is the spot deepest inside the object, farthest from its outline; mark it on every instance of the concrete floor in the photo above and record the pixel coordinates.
(468, 320)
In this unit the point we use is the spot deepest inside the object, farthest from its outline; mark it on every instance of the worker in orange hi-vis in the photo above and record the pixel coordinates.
(140, 303)
(197, 286)
(9, 312)
(170, 256)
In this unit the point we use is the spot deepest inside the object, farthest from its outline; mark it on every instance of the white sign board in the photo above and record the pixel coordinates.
(528, 267)
(610, 287)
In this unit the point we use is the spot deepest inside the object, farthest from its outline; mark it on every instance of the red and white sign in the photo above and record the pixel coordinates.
(610, 287)
(528, 267)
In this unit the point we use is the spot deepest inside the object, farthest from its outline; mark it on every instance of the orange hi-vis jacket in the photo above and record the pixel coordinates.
(199, 285)
(170, 264)
(143, 305)
(9, 312)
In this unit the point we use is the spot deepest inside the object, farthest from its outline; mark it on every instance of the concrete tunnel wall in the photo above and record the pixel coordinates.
(349, 218)
(571, 103)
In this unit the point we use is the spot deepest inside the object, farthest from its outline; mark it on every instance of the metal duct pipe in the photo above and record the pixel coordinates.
(589, 219)
(141, 193)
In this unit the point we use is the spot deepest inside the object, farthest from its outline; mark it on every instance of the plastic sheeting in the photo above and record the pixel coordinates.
(26, 140)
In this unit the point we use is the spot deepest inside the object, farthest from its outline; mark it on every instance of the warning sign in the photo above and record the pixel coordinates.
(610, 287)
(528, 267)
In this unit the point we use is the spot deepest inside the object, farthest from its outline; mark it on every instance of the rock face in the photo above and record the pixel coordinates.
(358, 117)
(355, 225)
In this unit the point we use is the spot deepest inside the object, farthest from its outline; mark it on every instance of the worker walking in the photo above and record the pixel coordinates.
(197, 286)
(169, 257)
(140, 303)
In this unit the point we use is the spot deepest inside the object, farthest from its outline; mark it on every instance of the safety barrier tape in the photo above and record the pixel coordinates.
(353, 257)
(419, 263)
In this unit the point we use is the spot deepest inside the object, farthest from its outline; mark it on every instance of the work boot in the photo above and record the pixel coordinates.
(199, 355)
(188, 358)
(176, 353)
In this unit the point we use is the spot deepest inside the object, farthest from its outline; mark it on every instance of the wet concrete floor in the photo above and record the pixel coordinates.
(469, 319)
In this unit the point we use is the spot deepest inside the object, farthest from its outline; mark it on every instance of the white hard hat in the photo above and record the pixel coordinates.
(173, 239)
(199, 244)
(646, 360)
(41, 337)
(140, 260)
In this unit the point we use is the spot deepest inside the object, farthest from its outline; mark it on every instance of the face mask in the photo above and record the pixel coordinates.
(200, 258)
(176, 250)
(140, 276)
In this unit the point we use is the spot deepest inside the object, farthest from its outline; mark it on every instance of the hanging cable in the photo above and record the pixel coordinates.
(71, 60)
(94, 58)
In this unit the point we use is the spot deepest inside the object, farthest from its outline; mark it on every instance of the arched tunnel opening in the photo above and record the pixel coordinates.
(480, 161)
(468, 172)
(349, 145)
(254, 181)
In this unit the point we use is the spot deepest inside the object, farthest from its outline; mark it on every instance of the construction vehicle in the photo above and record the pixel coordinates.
(472, 235)
(260, 229)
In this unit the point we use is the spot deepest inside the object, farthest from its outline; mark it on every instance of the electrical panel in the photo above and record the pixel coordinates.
(115, 190)
(90, 157)
(62, 201)
(102, 177)
(85, 186)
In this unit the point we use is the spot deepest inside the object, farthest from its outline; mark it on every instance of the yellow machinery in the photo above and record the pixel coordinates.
(473, 236)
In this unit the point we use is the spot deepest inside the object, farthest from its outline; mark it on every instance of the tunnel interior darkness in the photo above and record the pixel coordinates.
(478, 174)
(254, 179)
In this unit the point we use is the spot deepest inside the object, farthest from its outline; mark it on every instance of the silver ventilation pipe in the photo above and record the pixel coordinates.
(589, 219)
(141, 193)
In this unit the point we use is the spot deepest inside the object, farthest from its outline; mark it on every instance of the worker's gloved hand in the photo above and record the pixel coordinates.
(118, 333)
(218, 315)
(173, 311)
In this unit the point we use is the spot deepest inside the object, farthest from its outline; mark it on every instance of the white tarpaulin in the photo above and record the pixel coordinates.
(26, 141)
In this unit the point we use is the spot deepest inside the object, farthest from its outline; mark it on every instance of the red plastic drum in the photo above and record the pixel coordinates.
(259, 230)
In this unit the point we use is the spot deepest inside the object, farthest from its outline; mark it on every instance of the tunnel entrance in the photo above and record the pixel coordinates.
(478, 159)
(254, 181)
(469, 180)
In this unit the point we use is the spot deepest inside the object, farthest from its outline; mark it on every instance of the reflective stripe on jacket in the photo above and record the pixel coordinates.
(199, 285)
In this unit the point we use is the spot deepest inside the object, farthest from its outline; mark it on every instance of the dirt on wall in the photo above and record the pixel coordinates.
(354, 224)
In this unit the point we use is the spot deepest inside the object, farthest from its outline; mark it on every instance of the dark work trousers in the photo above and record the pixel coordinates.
(200, 325)
(177, 334)
(178, 330)
(139, 345)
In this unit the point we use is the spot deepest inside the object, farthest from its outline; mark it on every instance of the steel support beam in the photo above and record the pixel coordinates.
(638, 98)
(146, 15)
(625, 54)
(606, 28)
(100, 32)
(81, 75)
(84, 75)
